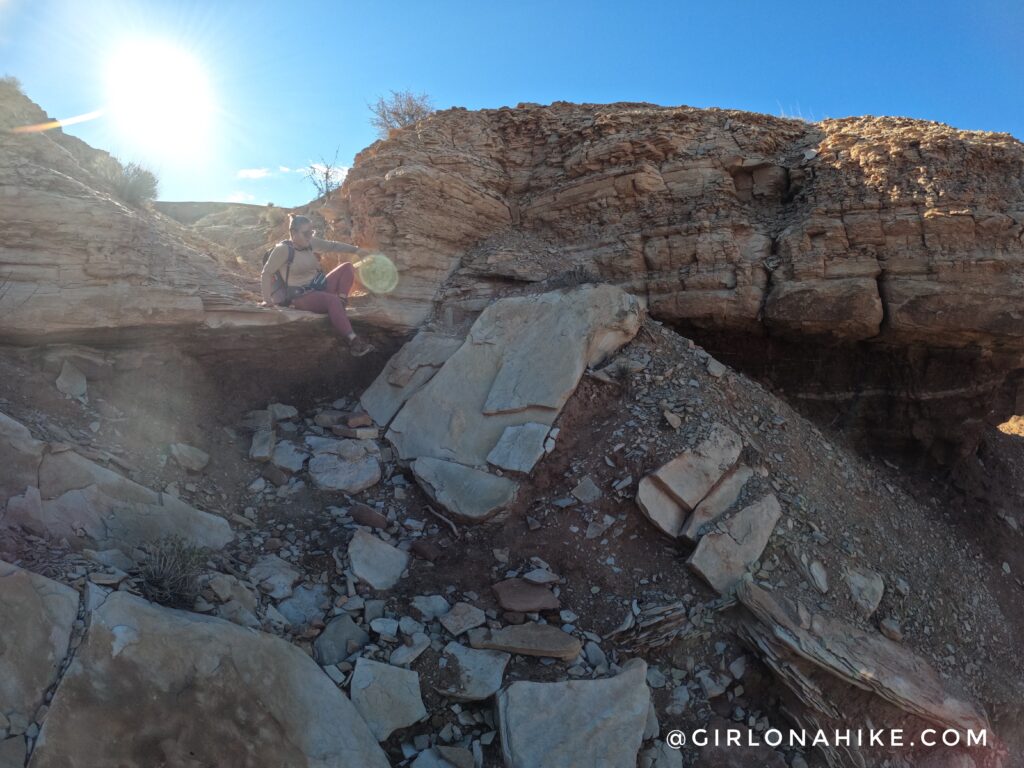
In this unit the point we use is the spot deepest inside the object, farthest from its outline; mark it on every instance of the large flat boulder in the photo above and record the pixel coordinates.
(36, 616)
(522, 360)
(65, 495)
(20, 455)
(97, 507)
(154, 686)
(724, 554)
(597, 723)
(670, 493)
(406, 373)
(469, 494)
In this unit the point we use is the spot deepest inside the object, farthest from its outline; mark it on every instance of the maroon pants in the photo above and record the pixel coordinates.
(328, 301)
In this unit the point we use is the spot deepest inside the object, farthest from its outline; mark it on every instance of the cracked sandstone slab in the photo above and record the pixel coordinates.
(36, 618)
(521, 362)
(469, 494)
(53, 491)
(193, 669)
(724, 554)
(669, 494)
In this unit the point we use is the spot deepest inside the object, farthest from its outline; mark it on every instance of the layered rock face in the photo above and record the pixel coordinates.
(889, 242)
(869, 267)
(76, 264)
(244, 230)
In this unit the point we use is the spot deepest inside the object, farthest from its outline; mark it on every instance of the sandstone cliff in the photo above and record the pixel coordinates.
(76, 263)
(870, 268)
(541, 471)
(873, 263)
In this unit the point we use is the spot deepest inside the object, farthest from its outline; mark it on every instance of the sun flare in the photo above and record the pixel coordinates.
(159, 99)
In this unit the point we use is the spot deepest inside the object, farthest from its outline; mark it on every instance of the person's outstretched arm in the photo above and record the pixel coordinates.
(333, 246)
(277, 260)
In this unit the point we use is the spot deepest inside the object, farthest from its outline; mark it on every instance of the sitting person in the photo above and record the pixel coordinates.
(303, 284)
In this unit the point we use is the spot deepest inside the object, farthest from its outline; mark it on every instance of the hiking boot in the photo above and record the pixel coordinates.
(357, 347)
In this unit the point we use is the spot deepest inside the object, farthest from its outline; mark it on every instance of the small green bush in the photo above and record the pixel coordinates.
(133, 184)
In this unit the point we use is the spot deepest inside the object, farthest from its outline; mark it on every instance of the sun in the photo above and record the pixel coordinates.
(159, 100)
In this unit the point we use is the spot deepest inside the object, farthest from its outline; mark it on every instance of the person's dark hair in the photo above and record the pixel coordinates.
(295, 221)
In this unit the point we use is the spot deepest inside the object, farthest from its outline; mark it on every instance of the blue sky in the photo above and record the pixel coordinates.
(286, 84)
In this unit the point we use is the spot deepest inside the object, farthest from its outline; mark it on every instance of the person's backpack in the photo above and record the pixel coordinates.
(279, 283)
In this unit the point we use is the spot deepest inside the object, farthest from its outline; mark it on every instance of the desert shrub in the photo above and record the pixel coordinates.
(171, 575)
(8, 82)
(132, 183)
(273, 217)
(622, 371)
(326, 176)
(400, 109)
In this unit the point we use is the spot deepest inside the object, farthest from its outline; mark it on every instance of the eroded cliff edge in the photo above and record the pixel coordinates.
(870, 266)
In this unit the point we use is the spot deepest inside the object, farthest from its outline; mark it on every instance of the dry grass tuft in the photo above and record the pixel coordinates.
(171, 575)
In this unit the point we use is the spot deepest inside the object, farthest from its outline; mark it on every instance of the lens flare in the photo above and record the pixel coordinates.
(159, 99)
(51, 124)
(378, 273)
